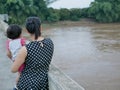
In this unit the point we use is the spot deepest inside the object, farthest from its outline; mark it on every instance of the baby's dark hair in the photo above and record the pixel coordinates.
(13, 31)
(33, 25)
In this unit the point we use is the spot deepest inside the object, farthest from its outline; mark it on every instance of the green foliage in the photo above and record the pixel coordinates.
(64, 14)
(105, 10)
(18, 10)
(53, 18)
(84, 13)
(75, 14)
(53, 15)
(2, 6)
(74, 18)
(100, 10)
(49, 1)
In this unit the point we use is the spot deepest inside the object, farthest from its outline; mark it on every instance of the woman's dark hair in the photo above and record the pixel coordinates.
(33, 25)
(13, 31)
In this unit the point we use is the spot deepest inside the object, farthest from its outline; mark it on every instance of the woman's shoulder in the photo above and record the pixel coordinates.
(45, 40)
(48, 42)
(48, 39)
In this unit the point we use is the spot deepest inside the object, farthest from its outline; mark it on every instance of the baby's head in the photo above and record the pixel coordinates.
(13, 31)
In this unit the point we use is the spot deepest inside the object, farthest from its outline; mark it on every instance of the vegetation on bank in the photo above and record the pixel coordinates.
(105, 11)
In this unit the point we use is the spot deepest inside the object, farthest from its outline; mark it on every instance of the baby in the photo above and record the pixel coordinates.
(14, 43)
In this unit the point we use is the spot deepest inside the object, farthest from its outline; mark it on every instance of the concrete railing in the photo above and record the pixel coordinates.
(4, 17)
(3, 25)
(60, 81)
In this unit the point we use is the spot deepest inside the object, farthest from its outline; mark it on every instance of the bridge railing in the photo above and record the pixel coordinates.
(60, 81)
(4, 17)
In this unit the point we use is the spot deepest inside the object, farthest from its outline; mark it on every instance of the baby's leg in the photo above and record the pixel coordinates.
(17, 79)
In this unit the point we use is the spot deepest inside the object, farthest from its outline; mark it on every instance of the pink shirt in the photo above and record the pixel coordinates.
(14, 46)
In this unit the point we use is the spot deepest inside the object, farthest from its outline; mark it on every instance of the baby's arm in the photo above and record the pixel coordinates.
(8, 51)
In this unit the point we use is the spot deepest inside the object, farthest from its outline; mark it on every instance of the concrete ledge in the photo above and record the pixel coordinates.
(4, 17)
(3, 25)
(60, 81)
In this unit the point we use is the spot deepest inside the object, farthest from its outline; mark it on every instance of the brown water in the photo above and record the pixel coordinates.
(88, 54)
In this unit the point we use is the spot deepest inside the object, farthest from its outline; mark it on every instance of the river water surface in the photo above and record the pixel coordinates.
(90, 55)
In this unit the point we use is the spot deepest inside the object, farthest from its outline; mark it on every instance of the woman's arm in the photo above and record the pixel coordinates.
(20, 59)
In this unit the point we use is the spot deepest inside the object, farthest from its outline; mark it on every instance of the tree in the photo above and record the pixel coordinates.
(2, 6)
(49, 1)
(18, 10)
(64, 14)
(105, 10)
(53, 15)
(75, 14)
(14, 10)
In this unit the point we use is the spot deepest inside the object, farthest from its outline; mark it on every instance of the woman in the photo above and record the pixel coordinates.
(37, 56)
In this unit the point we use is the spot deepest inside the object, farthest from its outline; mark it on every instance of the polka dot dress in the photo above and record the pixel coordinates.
(35, 74)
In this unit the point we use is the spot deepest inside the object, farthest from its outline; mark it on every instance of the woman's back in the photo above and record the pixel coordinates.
(35, 74)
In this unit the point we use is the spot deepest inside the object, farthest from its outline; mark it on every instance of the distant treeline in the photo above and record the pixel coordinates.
(104, 11)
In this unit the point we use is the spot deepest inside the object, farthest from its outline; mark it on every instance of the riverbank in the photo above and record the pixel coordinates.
(82, 22)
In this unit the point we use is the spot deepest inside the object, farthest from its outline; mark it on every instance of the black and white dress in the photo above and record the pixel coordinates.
(35, 74)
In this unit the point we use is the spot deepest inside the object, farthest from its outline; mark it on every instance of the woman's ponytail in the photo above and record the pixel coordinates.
(33, 26)
(37, 31)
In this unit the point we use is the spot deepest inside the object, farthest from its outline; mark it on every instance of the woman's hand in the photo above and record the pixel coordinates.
(20, 59)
